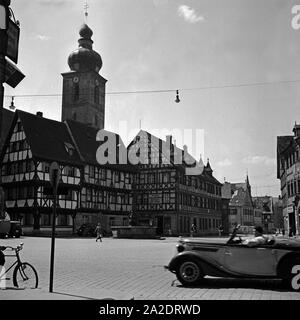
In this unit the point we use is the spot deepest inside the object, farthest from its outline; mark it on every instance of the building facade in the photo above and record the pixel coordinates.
(265, 205)
(288, 172)
(241, 209)
(166, 196)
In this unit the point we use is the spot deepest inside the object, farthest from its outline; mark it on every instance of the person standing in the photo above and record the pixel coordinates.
(193, 230)
(220, 230)
(98, 232)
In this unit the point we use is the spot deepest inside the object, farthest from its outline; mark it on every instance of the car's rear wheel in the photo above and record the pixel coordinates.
(189, 272)
(290, 273)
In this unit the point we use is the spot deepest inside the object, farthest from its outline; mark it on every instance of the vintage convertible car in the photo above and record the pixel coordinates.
(279, 258)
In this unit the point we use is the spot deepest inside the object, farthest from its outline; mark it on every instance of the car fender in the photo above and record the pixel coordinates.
(208, 267)
(286, 257)
(179, 257)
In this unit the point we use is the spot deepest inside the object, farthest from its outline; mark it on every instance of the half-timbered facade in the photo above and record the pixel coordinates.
(106, 190)
(169, 197)
(32, 144)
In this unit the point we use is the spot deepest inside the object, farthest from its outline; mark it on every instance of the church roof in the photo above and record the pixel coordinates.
(84, 58)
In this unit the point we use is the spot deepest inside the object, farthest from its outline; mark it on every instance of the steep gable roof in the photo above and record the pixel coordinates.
(7, 119)
(283, 142)
(48, 139)
(160, 146)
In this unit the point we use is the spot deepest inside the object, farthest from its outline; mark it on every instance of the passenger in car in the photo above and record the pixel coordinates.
(259, 238)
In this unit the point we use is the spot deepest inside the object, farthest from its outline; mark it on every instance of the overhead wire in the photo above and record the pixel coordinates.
(240, 85)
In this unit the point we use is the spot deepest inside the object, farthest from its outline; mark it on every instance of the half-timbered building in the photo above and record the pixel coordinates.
(106, 190)
(32, 144)
(171, 192)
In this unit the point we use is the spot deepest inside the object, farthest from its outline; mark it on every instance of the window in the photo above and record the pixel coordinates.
(145, 199)
(102, 173)
(62, 220)
(68, 196)
(30, 166)
(166, 198)
(117, 176)
(96, 95)
(111, 221)
(166, 177)
(92, 171)
(21, 193)
(76, 92)
(30, 192)
(88, 194)
(45, 220)
(151, 178)
(19, 126)
(46, 167)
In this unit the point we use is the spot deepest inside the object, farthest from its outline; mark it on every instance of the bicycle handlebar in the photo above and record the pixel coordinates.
(17, 248)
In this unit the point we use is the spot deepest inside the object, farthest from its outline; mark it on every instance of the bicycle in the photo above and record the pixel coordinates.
(24, 274)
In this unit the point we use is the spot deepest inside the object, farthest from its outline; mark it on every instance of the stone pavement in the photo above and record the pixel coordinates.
(122, 269)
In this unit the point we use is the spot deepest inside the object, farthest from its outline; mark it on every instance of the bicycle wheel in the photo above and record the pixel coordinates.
(25, 276)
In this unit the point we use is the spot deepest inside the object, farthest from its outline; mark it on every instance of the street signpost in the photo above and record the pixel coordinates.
(9, 47)
(54, 174)
(13, 76)
(13, 35)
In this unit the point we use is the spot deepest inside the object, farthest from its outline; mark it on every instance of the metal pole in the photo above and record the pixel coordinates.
(2, 80)
(53, 232)
(3, 40)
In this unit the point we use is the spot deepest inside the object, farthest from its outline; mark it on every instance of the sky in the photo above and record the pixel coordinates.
(235, 63)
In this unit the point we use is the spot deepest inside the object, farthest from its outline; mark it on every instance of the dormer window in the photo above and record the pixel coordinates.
(69, 148)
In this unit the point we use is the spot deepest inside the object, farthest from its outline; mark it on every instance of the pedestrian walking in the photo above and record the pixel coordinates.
(220, 230)
(193, 230)
(98, 232)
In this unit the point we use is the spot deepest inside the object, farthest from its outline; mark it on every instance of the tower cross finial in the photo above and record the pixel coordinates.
(86, 6)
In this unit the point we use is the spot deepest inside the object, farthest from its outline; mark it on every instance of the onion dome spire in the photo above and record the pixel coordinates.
(85, 58)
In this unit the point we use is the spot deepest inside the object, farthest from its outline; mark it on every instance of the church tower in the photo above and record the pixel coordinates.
(83, 87)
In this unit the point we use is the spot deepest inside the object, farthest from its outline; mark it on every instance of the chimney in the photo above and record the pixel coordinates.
(296, 130)
(39, 114)
(169, 140)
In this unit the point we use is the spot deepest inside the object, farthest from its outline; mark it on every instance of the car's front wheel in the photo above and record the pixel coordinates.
(290, 273)
(189, 272)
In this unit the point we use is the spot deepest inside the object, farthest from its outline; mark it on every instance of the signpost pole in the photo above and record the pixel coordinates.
(55, 183)
(3, 38)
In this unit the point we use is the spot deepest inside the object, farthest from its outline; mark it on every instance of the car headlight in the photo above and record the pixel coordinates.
(180, 247)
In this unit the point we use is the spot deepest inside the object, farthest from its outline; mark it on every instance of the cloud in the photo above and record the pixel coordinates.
(260, 160)
(224, 163)
(189, 14)
(42, 37)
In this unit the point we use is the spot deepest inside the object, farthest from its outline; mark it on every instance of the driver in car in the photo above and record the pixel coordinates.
(259, 238)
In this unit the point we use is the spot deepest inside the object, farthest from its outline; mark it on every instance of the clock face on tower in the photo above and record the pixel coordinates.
(75, 79)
